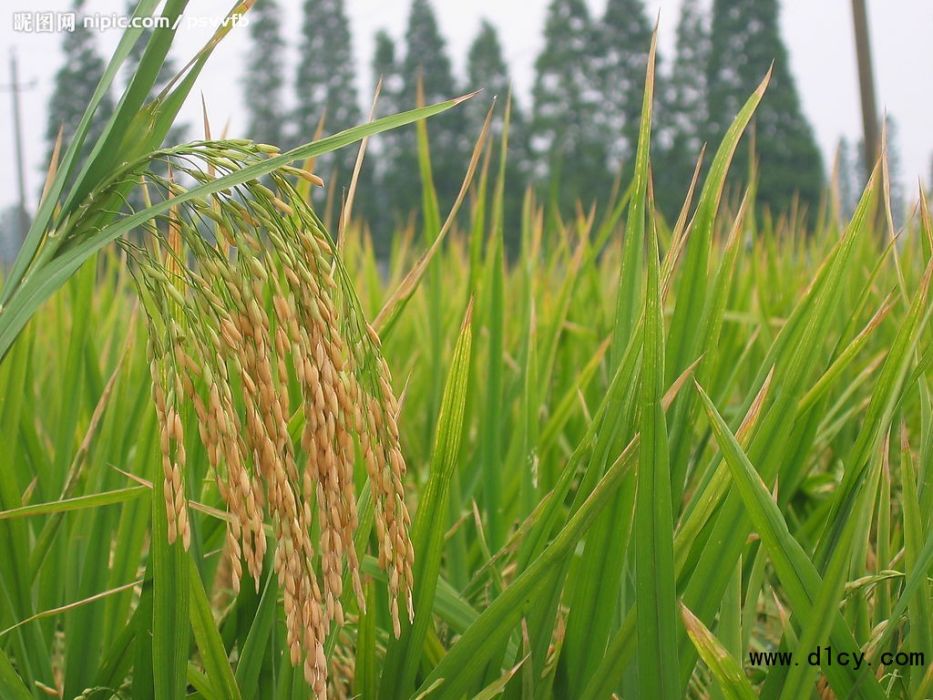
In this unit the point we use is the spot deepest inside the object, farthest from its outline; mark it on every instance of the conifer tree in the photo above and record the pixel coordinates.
(426, 59)
(75, 83)
(568, 145)
(850, 180)
(264, 70)
(745, 39)
(898, 199)
(380, 206)
(622, 41)
(325, 85)
(385, 66)
(426, 54)
(860, 171)
(487, 70)
(682, 109)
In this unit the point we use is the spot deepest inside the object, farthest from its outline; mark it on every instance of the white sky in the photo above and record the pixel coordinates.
(818, 34)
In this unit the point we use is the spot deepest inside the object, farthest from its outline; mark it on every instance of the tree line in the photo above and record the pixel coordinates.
(575, 138)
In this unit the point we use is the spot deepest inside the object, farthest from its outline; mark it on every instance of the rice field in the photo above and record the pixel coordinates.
(243, 458)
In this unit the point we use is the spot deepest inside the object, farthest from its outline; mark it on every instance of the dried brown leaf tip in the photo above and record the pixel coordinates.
(252, 318)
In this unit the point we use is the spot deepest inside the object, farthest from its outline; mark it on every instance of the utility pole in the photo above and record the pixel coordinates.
(866, 80)
(16, 87)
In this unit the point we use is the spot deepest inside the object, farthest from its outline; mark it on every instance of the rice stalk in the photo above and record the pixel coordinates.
(243, 292)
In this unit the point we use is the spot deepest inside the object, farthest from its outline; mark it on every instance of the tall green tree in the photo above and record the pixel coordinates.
(854, 172)
(75, 83)
(264, 70)
(849, 177)
(426, 60)
(325, 84)
(622, 40)
(567, 142)
(683, 109)
(898, 198)
(487, 70)
(745, 40)
(379, 206)
(896, 169)
(385, 67)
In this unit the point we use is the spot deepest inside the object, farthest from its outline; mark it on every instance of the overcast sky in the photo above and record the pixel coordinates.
(818, 34)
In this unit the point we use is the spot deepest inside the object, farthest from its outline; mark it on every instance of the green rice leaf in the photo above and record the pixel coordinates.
(404, 653)
(211, 646)
(729, 676)
(654, 523)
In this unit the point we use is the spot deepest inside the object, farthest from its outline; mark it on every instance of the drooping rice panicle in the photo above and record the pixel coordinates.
(241, 292)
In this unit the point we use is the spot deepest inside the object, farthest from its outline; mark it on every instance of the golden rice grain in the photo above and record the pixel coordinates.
(261, 307)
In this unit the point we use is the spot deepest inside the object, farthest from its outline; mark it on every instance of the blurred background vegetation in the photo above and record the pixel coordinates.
(573, 140)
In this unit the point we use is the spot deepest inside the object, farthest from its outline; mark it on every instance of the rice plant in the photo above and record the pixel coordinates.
(642, 458)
